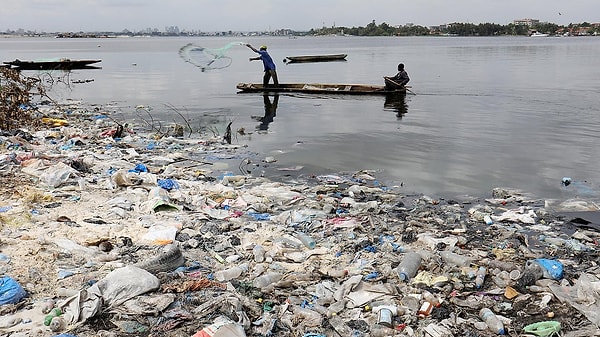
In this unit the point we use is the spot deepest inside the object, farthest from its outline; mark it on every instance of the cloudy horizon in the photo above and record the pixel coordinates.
(268, 15)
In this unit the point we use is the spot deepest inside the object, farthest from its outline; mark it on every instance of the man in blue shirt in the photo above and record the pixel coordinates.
(268, 64)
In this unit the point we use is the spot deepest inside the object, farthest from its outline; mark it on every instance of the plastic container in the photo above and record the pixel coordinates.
(455, 259)
(266, 279)
(385, 317)
(492, 321)
(409, 266)
(480, 277)
(425, 309)
(306, 240)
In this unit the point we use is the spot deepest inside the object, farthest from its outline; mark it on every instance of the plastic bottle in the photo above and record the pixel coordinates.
(480, 277)
(230, 273)
(306, 240)
(409, 266)
(493, 322)
(266, 279)
(53, 313)
(508, 266)
(455, 259)
(533, 272)
(259, 253)
(431, 298)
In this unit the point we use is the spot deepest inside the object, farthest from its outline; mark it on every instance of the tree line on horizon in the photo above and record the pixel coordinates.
(458, 29)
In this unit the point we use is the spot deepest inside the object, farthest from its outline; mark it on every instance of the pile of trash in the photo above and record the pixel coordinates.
(145, 236)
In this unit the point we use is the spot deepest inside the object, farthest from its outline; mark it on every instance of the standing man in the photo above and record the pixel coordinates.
(268, 64)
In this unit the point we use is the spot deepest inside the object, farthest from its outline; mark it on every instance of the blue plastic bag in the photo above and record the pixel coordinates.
(10, 291)
(139, 168)
(552, 268)
(167, 184)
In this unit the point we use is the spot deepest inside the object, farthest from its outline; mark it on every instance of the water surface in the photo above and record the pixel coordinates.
(514, 112)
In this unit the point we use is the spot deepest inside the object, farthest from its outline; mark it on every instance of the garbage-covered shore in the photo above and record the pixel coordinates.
(114, 231)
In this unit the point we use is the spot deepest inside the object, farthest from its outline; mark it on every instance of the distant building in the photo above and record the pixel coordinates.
(526, 22)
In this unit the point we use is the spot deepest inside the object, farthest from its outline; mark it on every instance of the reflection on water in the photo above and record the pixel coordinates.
(396, 103)
(270, 111)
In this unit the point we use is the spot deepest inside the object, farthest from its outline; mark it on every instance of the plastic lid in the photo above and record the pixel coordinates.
(403, 276)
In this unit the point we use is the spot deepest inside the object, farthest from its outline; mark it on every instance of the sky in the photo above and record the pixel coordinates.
(267, 15)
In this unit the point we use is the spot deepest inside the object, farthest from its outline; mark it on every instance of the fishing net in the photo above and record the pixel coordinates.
(206, 58)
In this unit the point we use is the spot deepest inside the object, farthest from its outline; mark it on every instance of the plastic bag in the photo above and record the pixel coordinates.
(583, 296)
(58, 174)
(543, 329)
(168, 184)
(11, 291)
(552, 269)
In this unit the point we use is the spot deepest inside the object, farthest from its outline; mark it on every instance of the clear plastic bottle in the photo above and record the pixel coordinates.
(409, 266)
(455, 259)
(267, 279)
(230, 273)
(259, 253)
(503, 265)
(480, 277)
(306, 240)
(431, 298)
(492, 321)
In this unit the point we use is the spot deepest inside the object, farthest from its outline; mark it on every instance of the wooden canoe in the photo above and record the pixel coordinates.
(316, 58)
(320, 88)
(59, 64)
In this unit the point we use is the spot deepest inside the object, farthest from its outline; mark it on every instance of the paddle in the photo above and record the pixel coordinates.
(398, 84)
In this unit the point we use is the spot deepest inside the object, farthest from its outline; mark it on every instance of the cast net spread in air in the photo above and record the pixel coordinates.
(206, 58)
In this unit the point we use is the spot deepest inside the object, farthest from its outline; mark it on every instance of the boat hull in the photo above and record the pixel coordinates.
(321, 88)
(316, 58)
(52, 65)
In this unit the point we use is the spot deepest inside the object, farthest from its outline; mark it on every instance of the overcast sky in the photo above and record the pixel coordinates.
(259, 15)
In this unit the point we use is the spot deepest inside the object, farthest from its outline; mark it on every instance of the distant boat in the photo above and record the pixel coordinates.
(58, 64)
(316, 58)
(538, 34)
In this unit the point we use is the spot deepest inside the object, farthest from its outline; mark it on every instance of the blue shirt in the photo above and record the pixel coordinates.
(267, 60)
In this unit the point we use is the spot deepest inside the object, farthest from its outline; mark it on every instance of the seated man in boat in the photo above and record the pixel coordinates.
(398, 81)
(269, 65)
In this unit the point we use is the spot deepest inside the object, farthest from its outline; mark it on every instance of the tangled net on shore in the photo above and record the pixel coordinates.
(206, 58)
